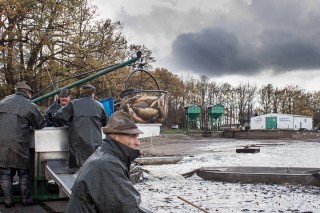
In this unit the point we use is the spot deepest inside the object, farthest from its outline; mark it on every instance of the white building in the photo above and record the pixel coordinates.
(281, 121)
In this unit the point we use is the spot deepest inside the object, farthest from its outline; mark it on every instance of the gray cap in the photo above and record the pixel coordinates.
(23, 85)
(87, 89)
(121, 123)
(64, 93)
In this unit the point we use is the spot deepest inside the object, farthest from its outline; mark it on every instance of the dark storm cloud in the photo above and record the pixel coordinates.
(215, 51)
(212, 51)
(285, 51)
(244, 39)
(283, 36)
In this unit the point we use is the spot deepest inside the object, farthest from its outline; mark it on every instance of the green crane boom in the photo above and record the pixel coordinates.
(130, 61)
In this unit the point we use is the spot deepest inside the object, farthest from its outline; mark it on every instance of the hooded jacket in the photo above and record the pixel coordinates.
(86, 116)
(17, 116)
(103, 184)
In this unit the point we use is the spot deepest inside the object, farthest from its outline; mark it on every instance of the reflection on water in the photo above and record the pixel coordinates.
(159, 192)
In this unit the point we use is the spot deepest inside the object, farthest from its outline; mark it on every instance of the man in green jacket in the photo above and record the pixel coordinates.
(18, 115)
(103, 184)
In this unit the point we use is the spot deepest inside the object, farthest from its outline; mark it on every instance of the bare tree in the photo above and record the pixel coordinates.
(245, 94)
(45, 41)
(266, 97)
(213, 91)
(202, 90)
(146, 60)
(175, 88)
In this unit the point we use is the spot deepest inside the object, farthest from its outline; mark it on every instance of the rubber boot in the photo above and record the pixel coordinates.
(6, 186)
(25, 190)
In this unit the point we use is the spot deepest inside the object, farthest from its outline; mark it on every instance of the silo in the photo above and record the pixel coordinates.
(192, 117)
(214, 116)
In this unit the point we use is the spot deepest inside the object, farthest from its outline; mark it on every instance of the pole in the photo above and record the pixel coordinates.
(130, 61)
(192, 204)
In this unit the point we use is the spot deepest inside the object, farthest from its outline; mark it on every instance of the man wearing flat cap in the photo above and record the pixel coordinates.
(103, 183)
(86, 117)
(18, 115)
(63, 100)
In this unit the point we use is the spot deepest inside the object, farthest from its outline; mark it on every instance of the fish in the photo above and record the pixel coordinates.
(146, 98)
(146, 113)
(134, 116)
(161, 113)
(146, 108)
(141, 105)
(155, 104)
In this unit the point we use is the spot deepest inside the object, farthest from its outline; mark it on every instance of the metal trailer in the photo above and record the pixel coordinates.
(52, 176)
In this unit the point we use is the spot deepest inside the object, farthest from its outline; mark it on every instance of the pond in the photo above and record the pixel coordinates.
(164, 184)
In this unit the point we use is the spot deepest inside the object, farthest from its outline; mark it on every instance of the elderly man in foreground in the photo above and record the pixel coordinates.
(103, 184)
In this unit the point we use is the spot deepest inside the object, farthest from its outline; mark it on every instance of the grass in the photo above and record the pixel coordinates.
(178, 131)
(173, 131)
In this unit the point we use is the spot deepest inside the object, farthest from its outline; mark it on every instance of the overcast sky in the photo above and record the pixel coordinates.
(233, 41)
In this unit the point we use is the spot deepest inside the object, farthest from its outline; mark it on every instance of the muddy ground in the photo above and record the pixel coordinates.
(171, 144)
(184, 145)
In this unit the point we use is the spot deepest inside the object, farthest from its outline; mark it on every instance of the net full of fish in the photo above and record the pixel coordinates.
(146, 107)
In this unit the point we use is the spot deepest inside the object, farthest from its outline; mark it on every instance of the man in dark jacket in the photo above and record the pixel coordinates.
(63, 100)
(17, 116)
(103, 183)
(86, 116)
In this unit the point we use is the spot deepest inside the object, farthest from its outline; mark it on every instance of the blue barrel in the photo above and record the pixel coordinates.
(108, 105)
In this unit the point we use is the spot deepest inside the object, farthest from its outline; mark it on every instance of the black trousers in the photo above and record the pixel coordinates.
(9, 173)
(6, 176)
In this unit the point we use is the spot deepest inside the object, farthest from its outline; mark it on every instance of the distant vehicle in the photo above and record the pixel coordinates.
(175, 126)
